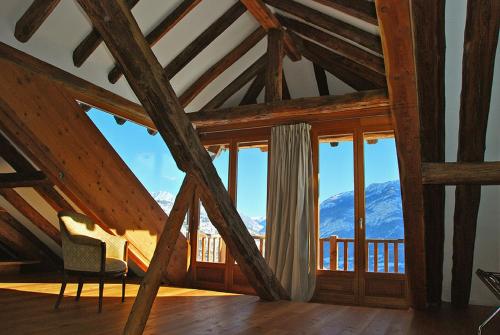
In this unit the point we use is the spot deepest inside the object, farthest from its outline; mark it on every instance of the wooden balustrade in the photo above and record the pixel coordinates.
(212, 249)
(346, 243)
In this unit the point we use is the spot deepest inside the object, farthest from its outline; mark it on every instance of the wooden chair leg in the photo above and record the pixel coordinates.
(61, 293)
(124, 279)
(80, 286)
(101, 290)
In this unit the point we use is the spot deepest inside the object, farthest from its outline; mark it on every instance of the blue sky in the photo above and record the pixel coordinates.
(150, 160)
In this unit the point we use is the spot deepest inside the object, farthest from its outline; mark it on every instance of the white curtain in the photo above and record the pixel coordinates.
(290, 241)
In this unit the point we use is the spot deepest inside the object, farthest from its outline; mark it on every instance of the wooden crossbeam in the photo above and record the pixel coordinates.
(237, 84)
(164, 250)
(353, 74)
(274, 66)
(160, 30)
(150, 84)
(339, 46)
(204, 39)
(320, 75)
(33, 18)
(268, 20)
(338, 27)
(254, 90)
(19, 179)
(222, 65)
(480, 44)
(396, 30)
(91, 42)
(361, 9)
(483, 173)
(429, 37)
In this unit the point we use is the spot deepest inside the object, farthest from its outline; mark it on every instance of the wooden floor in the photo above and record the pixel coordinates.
(26, 307)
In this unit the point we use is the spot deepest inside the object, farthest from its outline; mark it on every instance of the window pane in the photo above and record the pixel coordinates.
(384, 215)
(252, 189)
(211, 247)
(336, 210)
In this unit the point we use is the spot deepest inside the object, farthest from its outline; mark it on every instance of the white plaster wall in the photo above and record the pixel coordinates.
(487, 250)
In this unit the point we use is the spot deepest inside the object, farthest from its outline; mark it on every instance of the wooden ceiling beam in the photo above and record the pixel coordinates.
(397, 39)
(321, 80)
(286, 90)
(222, 65)
(338, 27)
(124, 39)
(237, 84)
(160, 30)
(353, 74)
(254, 90)
(19, 179)
(274, 65)
(480, 44)
(430, 41)
(33, 18)
(268, 21)
(481, 173)
(337, 45)
(204, 39)
(86, 47)
(361, 9)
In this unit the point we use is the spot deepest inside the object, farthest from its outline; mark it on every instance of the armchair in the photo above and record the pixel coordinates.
(89, 251)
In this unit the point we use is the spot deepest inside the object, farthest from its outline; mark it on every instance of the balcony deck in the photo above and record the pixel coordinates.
(26, 307)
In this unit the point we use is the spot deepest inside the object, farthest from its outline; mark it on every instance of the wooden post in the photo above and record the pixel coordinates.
(274, 70)
(333, 253)
(321, 253)
(396, 257)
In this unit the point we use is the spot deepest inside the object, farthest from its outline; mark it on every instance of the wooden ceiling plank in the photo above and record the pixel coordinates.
(90, 43)
(124, 39)
(254, 90)
(19, 179)
(160, 30)
(481, 173)
(397, 39)
(33, 18)
(430, 40)
(222, 65)
(361, 9)
(480, 44)
(237, 83)
(338, 27)
(320, 75)
(204, 39)
(337, 45)
(268, 20)
(274, 65)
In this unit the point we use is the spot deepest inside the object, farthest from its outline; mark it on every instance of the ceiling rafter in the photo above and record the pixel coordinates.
(33, 18)
(22, 179)
(254, 90)
(160, 30)
(268, 20)
(90, 43)
(361, 9)
(321, 80)
(333, 25)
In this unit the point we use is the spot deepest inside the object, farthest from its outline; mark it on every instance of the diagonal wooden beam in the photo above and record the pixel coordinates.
(204, 39)
(337, 45)
(215, 70)
(480, 44)
(286, 90)
(150, 84)
(355, 75)
(268, 21)
(19, 179)
(33, 18)
(254, 90)
(335, 26)
(361, 9)
(237, 83)
(91, 42)
(397, 39)
(430, 40)
(481, 173)
(164, 249)
(160, 30)
(274, 66)
(320, 75)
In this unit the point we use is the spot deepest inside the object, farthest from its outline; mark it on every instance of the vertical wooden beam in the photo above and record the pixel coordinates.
(274, 69)
(321, 80)
(429, 37)
(150, 83)
(397, 41)
(33, 18)
(480, 44)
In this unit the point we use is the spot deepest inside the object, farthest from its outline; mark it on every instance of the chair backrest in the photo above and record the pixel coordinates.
(73, 223)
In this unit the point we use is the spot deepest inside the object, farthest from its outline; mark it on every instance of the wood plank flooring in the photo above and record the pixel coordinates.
(26, 307)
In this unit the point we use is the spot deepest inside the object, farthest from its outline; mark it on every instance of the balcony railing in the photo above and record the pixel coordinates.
(372, 253)
(212, 249)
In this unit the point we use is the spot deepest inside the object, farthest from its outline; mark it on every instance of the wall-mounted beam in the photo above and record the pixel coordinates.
(482, 173)
(33, 18)
(480, 44)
